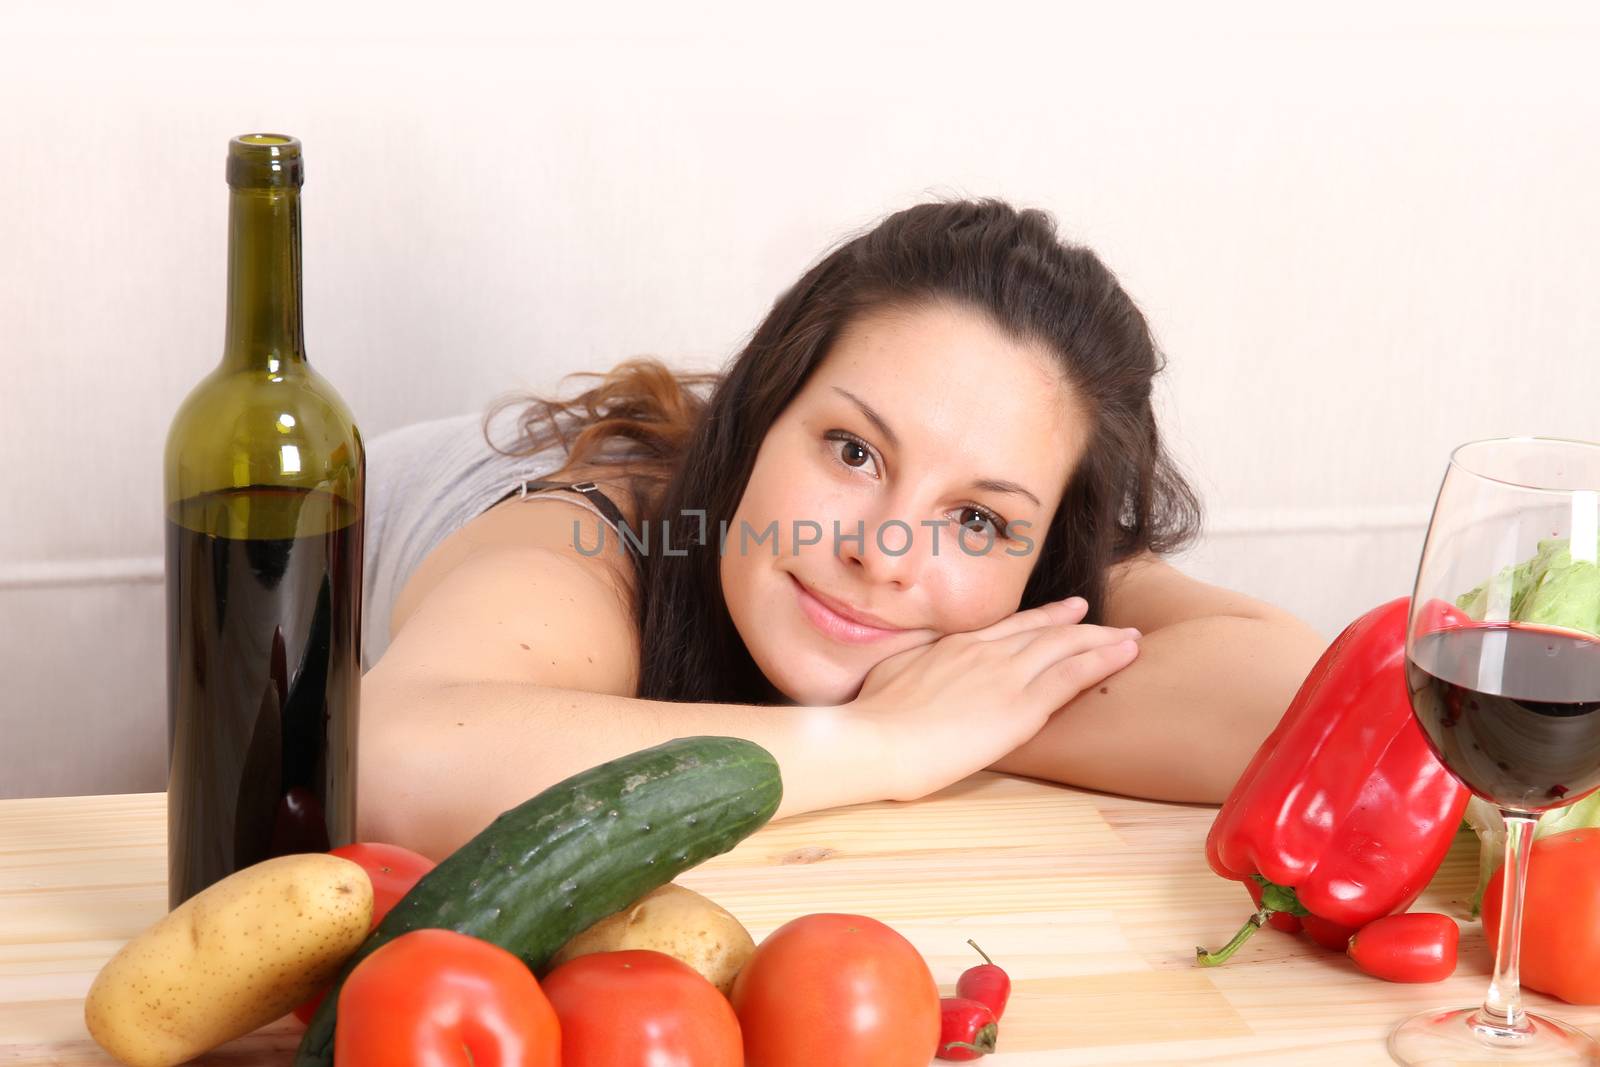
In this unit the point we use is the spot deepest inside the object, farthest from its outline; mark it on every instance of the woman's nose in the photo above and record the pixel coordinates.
(888, 550)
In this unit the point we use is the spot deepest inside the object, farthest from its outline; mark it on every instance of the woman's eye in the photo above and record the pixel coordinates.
(854, 454)
(985, 516)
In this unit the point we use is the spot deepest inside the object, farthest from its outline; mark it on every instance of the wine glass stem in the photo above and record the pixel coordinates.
(1502, 1006)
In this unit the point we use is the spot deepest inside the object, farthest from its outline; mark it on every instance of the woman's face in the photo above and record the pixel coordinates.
(958, 404)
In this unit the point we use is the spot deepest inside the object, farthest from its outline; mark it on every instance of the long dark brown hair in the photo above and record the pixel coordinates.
(691, 439)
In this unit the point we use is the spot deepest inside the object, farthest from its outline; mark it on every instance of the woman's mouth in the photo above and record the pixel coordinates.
(835, 625)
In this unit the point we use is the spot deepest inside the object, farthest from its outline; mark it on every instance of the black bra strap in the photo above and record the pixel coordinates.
(588, 489)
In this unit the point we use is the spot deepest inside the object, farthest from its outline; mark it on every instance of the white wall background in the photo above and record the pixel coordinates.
(1363, 236)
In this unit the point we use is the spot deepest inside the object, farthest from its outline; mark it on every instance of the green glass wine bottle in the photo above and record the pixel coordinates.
(265, 489)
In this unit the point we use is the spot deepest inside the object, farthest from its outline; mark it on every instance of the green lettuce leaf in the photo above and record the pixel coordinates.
(1551, 589)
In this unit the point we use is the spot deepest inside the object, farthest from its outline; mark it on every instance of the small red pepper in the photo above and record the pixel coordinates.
(1344, 813)
(1419, 946)
(967, 1029)
(986, 983)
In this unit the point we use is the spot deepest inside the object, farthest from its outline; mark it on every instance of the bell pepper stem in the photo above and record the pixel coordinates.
(1211, 959)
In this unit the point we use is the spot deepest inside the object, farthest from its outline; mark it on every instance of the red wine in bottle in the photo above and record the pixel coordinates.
(265, 483)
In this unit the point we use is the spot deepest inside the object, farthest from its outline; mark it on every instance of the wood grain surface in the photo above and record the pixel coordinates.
(1093, 903)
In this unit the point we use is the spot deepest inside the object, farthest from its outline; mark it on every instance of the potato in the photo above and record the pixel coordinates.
(677, 921)
(230, 959)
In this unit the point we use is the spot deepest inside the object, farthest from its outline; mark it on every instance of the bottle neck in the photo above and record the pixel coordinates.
(264, 327)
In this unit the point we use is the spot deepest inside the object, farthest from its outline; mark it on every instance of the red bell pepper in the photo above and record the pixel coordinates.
(1344, 813)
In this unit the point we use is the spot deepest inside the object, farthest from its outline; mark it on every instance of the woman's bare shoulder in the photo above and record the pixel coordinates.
(559, 524)
(529, 615)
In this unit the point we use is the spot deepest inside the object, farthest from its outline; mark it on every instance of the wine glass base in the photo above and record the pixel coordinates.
(1463, 1036)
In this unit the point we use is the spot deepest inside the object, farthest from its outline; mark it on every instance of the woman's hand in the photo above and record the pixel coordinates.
(956, 705)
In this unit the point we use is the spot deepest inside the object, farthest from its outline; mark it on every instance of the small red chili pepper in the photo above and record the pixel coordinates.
(967, 1029)
(1417, 946)
(986, 983)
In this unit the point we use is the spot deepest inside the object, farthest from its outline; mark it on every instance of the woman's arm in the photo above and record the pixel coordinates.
(1216, 670)
(476, 706)
(442, 760)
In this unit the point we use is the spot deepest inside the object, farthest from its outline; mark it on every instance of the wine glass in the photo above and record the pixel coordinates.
(1504, 677)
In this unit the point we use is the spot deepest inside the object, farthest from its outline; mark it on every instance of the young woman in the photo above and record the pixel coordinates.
(902, 538)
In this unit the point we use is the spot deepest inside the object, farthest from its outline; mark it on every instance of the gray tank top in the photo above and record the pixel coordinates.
(427, 480)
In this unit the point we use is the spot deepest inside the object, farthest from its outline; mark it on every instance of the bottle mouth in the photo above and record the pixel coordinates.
(265, 161)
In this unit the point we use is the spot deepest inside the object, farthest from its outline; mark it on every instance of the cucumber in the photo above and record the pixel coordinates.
(581, 850)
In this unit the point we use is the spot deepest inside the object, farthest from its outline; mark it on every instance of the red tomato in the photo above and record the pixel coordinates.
(438, 998)
(1416, 946)
(638, 1008)
(393, 871)
(1560, 916)
(837, 989)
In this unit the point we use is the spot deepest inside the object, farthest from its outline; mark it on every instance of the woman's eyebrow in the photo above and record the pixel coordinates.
(993, 485)
(1000, 485)
(873, 416)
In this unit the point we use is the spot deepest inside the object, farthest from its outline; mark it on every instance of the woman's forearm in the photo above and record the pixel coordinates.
(438, 761)
(1181, 721)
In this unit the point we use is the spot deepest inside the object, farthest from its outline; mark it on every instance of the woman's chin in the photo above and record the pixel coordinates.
(814, 689)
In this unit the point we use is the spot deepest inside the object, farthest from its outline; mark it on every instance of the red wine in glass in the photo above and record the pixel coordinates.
(1512, 709)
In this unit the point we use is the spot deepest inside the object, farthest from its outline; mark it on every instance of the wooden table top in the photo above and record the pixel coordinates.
(1093, 903)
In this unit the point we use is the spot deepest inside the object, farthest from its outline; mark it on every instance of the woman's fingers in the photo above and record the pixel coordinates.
(1033, 651)
(1066, 676)
(1055, 613)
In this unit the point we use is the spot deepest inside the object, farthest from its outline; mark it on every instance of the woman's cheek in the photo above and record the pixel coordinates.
(973, 596)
